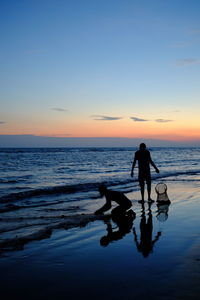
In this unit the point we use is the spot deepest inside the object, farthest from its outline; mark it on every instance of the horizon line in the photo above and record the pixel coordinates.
(179, 138)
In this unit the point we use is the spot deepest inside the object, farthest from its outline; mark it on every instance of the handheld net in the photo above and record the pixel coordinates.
(161, 190)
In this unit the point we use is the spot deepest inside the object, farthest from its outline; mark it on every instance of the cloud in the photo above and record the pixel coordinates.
(187, 62)
(138, 119)
(163, 120)
(105, 118)
(2, 122)
(59, 109)
(58, 135)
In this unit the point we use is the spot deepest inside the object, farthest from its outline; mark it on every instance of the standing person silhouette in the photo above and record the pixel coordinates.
(143, 157)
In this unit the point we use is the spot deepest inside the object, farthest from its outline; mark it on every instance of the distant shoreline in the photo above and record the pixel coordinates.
(94, 147)
(30, 141)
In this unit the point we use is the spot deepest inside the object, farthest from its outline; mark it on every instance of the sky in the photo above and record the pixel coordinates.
(100, 68)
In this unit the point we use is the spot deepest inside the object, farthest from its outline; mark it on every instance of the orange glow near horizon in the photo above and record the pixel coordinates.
(119, 128)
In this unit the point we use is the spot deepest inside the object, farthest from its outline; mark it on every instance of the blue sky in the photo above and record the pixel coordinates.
(115, 59)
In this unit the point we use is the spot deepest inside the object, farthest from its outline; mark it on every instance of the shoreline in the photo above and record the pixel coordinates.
(64, 253)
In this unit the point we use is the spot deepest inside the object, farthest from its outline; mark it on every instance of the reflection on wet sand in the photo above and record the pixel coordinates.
(119, 225)
(162, 212)
(19, 240)
(146, 243)
(124, 224)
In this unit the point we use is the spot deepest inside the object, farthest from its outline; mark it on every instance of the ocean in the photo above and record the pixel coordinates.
(39, 187)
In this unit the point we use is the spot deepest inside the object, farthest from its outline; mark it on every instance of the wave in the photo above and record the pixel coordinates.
(85, 187)
(8, 207)
(9, 180)
(56, 190)
(15, 179)
(63, 149)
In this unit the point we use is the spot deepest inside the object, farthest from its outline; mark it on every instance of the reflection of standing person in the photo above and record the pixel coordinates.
(143, 157)
(145, 246)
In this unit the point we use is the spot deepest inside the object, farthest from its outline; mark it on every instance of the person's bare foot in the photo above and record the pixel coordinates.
(141, 201)
(151, 200)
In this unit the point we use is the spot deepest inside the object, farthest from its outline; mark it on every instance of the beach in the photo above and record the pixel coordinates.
(100, 150)
(71, 263)
(52, 245)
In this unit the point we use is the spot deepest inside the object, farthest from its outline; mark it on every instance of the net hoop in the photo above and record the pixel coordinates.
(161, 188)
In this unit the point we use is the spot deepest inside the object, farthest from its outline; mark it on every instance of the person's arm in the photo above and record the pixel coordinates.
(157, 237)
(109, 228)
(104, 208)
(135, 237)
(152, 163)
(133, 165)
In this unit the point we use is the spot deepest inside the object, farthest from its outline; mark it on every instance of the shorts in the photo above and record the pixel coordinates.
(144, 177)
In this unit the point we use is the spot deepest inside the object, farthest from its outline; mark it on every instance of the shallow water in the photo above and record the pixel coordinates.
(39, 188)
(51, 243)
(73, 264)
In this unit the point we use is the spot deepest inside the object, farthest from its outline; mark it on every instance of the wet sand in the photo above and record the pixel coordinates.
(154, 255)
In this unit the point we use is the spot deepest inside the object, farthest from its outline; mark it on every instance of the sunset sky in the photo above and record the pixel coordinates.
(100, 68)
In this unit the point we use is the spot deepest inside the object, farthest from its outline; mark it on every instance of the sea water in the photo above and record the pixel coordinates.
(155, 256)
(41, 186)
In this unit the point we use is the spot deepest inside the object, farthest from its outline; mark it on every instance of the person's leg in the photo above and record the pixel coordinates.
(119, 210)
(141, 179)
(149, 190)
(148, 181)
(142, 189)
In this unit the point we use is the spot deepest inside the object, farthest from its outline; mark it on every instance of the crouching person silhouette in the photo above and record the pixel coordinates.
(123, 202)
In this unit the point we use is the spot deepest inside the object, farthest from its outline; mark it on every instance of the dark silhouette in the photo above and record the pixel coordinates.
(143, 157)
(124, 223)
(146, 244)
(123, 202)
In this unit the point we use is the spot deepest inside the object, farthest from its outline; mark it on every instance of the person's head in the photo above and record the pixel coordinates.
(102, 190)
(142, 146)
(104, 241)
(146, 253)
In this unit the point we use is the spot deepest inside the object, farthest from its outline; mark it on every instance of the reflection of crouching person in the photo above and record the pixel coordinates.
(123, 202)
(124, 223)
